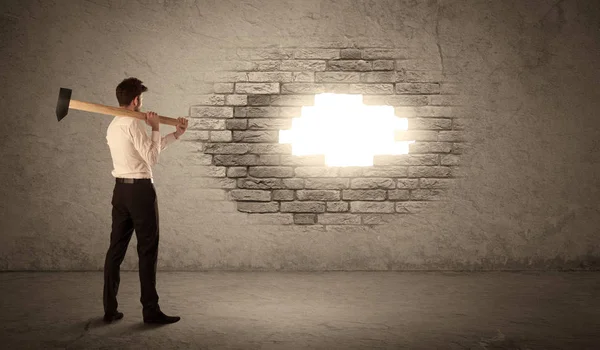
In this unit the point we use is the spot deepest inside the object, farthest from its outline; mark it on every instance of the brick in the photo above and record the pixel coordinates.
(206, 124)
(303, 160)
(407, 183)
(210, 100)
(233, 160)
(271, 171)
(396, 100)
(460, 123)
(410, 207)
(318, 195)
(383, 65)
(262, 184)
(450, 159)
(223, 88)
(290, 112)
(429, 123)
(270, 219)
(236, 100)
(337, 207)
(363, 195)
(268, 159)
(303, 77)
(237, 172)
(257, 88)
(283, 195)
(265, 54)
(220, 136)
(387, 171)
(378, 219)
(450, 99)
(302, 88)
(264, 77)
(436, 183)
(292, 100)
(379, 77)
(417, 88)
(424, 76)
(195, 135)
(250, 195)
(371, 88)
(316, 171)
(350, 54)
(213, 182)
(427, 194)
(210, 171)
(256, 112)
(398, 195)
(384, 54)
(428, 171)
(352, 171)
(339, 219)
(270, 148)
(451, 136)
(349, 65)
(259, 100)
(255, 136)
(293, 183)
(326, 183)
(419, 64)
(269, 124)
(405, 159)
(267, 65)
(459, 148)
(430, 147)
(211, 112)
(215, 148)
(236, 124)
(317, 54)
(305, 219)
(302, 207)
(252, 207)
(371, 207)
(337, 77)
(302, 66)
(372, 183)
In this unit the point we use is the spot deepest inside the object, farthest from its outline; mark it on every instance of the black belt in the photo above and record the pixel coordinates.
(121, 180)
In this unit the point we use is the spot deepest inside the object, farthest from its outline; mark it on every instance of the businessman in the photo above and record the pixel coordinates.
(134, 202)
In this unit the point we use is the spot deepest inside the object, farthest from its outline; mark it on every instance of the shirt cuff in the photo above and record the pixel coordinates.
(156, 136)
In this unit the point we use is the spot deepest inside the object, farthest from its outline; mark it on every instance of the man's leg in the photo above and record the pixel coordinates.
(145, 221)
(122, 229)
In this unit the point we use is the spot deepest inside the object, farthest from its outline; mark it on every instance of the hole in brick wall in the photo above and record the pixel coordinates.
(346, 131)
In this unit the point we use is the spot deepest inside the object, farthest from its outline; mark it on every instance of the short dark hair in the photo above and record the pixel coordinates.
(128, 90)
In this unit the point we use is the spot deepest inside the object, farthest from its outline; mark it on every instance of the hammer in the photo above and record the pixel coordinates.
(65, 102)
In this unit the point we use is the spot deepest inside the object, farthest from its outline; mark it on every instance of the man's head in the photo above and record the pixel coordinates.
(129, 93)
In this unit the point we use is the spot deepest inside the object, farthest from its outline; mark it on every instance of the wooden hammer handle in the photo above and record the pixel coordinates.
(116, 111)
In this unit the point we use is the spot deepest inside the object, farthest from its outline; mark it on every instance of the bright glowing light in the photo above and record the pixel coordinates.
(345, 130)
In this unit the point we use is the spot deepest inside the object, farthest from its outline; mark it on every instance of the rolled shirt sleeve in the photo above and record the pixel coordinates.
(148, 147)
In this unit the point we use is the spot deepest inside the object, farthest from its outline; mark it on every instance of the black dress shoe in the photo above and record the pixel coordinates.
(161, 318)
(108, 318)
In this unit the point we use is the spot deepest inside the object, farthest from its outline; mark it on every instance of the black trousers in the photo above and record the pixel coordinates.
(135, 207)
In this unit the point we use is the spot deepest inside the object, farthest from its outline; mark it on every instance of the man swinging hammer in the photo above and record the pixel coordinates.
(134, 202)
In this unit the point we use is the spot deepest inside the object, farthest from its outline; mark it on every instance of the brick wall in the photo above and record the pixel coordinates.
(261, 90)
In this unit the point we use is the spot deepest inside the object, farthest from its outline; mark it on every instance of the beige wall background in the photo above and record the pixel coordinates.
(526, 71)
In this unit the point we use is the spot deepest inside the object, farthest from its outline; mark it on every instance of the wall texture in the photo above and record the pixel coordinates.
(504, 109)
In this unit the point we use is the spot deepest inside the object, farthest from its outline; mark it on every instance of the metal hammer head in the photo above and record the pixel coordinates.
(64, 100)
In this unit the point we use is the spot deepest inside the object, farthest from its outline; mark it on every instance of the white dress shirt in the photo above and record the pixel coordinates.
(133, 151)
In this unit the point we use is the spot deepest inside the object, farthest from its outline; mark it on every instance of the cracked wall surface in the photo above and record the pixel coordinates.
(525, 193)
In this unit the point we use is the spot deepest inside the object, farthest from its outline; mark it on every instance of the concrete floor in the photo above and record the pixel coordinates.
(295, 310)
